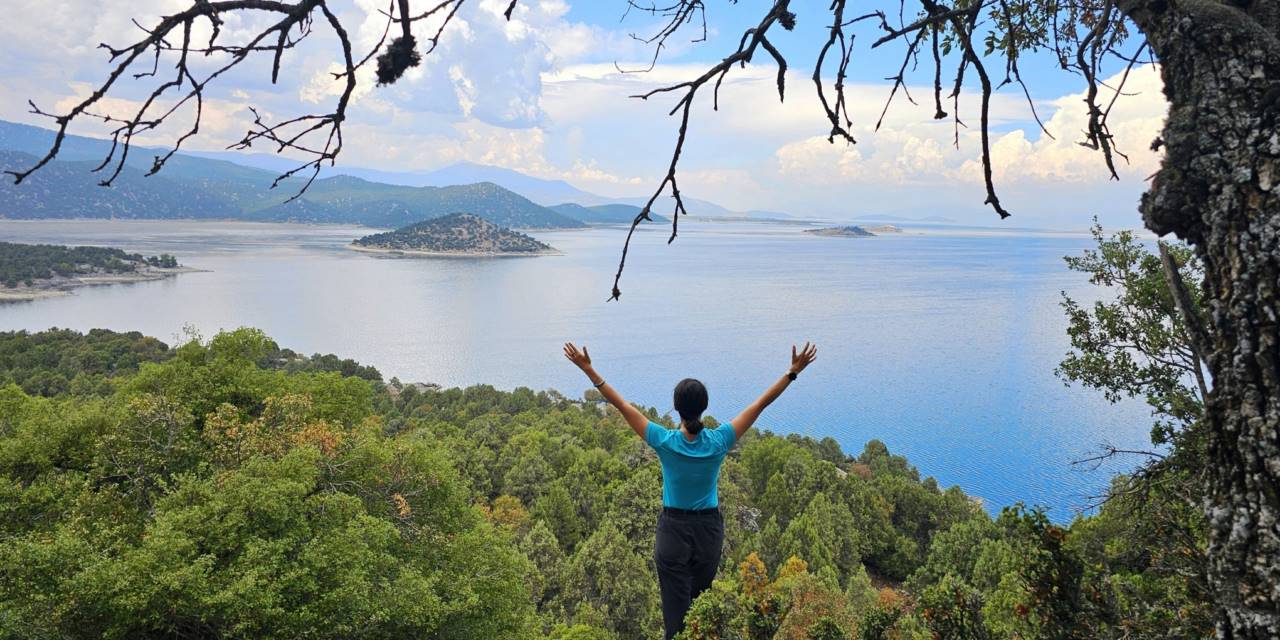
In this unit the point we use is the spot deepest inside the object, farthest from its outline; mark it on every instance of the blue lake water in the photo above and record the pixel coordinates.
(940, 342)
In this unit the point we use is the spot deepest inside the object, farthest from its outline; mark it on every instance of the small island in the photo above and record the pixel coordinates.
(850, 231)
(884, 228)
(32, 271)
(457, 234)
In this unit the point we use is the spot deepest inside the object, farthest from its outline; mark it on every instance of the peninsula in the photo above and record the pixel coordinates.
(33, 271)
(457, 234)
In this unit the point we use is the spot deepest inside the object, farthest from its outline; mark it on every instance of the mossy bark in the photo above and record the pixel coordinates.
(1219, 190)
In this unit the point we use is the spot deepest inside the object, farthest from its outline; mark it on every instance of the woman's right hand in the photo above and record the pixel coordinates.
(804, 357)
(580, 358)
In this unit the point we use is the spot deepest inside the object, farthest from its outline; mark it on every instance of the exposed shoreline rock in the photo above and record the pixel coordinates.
(60, 286)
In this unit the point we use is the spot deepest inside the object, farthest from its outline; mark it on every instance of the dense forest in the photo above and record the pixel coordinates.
(230, 488)
(25, 264)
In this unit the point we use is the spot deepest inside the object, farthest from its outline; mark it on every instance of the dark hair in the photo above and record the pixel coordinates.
(691, 400)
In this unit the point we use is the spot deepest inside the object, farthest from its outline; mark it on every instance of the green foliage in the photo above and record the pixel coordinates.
(608, 575)
(61, 361)
(234, 488)
(580, 632)
(1134, 343)
(208, 496)
(1144, 553)
(1014, 577)
(272, 494)
(1137, 568)
(58, 361)
(800, 604)
(1144, 562)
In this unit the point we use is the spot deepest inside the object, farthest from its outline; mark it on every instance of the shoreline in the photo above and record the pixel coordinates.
(413, 253)
(60, 286)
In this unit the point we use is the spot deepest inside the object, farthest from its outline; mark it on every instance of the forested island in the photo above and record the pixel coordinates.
(29, 271)
(849, 231)
(457, 234)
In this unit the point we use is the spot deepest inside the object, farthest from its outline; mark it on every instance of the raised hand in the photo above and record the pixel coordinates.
(580, 358)
(802, 358)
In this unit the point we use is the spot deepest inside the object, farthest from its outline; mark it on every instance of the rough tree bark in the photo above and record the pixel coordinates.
(1219, 190)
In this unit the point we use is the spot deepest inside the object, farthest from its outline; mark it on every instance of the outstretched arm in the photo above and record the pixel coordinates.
(582, 359)
(799, 360)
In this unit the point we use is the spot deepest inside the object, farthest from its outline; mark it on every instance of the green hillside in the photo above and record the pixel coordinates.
(70, 190)
(353, 200)
(194, 188)
(234, 489)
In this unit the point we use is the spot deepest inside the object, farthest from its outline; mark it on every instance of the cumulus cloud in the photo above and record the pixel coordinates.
(922, 152)
(484, 67)
(532, 94)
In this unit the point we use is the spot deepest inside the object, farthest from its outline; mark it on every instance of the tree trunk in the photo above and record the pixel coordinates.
(1219, 190)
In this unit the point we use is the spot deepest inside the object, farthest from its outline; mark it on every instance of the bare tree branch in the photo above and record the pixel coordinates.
(316, 135)
(1081, 33)
(751, 39)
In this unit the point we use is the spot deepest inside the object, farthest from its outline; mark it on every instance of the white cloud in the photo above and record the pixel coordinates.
(914, 153)
(526, 94)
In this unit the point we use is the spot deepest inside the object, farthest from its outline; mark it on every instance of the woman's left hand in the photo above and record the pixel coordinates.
(802, 358)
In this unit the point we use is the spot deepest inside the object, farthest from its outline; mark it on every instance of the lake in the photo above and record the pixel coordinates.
(939, 342)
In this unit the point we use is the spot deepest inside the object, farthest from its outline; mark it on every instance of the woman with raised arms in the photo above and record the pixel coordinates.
(690, 531)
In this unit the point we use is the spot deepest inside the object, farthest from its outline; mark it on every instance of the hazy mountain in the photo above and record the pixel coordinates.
(603, 213)
(897, 218)
(348, 199)
(539, 190)
(70, 190)
(695, 206)
(244, 178)
(202, 187)
(549, 193)
(777, 215)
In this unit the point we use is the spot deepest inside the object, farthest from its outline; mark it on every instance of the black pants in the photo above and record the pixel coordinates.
(687, 554)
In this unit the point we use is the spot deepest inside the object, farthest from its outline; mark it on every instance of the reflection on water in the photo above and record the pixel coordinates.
(941, 344)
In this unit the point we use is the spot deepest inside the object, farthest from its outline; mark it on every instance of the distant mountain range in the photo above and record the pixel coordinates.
(225, 184)
(893, 218)
(205, 188)
(549, 193)
(604, 213)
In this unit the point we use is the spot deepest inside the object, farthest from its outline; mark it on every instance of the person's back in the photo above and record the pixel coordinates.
(690, 533)
(690, 468)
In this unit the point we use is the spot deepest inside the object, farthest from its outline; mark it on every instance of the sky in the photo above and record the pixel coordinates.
(542, 94)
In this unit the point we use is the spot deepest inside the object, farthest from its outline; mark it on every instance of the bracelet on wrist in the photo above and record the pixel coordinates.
(601, 384)
(791, 375)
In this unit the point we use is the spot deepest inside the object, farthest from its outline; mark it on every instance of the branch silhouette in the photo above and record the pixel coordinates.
(1083, 35)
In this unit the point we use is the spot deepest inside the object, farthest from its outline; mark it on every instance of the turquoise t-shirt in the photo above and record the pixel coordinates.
(690, 468)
